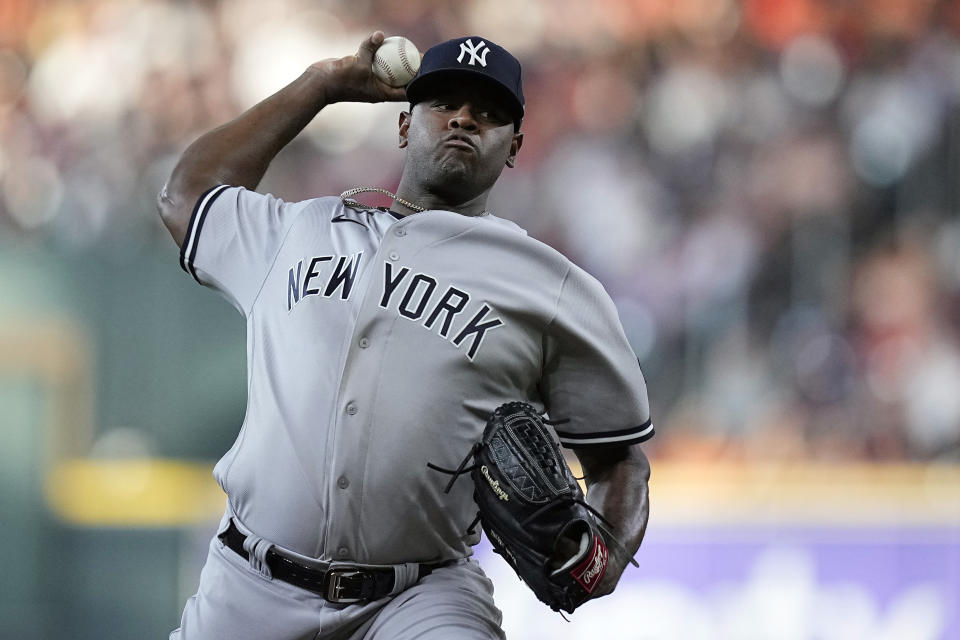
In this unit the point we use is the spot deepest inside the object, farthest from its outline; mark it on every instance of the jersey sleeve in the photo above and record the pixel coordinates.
(592, 383)
(232, 240)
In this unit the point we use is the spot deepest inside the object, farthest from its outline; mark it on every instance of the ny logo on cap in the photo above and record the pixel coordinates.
(477, 53)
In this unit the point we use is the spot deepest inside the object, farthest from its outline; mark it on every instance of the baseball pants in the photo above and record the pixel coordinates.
(236, 600)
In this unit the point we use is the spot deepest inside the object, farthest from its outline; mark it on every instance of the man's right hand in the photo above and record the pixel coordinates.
(351, 79)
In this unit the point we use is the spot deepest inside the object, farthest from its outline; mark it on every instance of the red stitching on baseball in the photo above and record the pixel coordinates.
(403, 58)
(385, 68)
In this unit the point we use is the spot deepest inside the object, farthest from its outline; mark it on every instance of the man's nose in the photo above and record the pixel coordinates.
(463, 118)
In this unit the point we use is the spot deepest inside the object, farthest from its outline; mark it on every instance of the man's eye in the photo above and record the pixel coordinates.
(492, 115)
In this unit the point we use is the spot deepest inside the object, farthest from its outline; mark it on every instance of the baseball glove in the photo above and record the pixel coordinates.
(533, 510)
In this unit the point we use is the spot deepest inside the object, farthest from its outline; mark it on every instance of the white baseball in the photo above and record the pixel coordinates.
(396, 61)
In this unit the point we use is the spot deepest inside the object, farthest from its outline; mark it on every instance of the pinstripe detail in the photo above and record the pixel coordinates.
(622, 436)
(188, 251)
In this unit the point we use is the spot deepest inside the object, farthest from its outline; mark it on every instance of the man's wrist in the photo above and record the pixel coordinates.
(319, 82)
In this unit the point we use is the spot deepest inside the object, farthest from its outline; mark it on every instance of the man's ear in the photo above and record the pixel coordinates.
(514, 149)
(404, 125)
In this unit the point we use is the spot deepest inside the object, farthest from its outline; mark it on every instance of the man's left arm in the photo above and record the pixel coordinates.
(617, 479)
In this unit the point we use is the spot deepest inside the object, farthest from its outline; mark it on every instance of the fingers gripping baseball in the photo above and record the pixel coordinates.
(351, 79)
(369, 46)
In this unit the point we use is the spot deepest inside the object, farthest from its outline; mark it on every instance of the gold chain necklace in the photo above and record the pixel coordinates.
(347, 199)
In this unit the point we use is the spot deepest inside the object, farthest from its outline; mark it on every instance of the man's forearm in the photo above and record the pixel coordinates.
(623, 499)
(239, 152)
(618, 487)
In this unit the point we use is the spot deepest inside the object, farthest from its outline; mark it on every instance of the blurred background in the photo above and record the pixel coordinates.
(767, 188)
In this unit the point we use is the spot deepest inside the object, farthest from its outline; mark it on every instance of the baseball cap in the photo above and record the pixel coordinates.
(470, 58)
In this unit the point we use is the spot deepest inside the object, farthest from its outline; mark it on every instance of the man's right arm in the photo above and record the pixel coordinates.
(239, 152)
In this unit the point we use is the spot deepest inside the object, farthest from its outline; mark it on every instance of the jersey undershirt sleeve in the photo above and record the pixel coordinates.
(233, 237)
(591, 379)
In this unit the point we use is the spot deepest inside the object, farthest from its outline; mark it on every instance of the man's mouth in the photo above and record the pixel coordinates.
(459, 142)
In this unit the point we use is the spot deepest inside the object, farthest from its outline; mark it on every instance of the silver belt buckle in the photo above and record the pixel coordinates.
(334, 588)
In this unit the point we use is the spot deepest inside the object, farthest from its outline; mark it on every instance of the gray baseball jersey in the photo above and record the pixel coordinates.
(378, 343)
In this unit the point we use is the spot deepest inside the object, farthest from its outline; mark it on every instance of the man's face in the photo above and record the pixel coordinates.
(459, 140)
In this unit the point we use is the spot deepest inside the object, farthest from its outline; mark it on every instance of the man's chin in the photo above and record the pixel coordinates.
(453, 172)
(457, 180)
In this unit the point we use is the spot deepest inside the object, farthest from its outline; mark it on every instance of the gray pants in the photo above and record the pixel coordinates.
(237, 601)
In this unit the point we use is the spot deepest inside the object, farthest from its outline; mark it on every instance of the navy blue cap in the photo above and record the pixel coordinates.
(470, 57)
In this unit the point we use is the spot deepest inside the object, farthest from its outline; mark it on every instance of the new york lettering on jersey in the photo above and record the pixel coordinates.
(338, 280)
(412, 295)
(419, 291)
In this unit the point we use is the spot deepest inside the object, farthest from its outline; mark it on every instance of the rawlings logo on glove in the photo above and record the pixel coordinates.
(532, 509)
(494, 484)
(589, 573)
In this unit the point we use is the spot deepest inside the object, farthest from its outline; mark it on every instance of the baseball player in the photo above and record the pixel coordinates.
(378, 341)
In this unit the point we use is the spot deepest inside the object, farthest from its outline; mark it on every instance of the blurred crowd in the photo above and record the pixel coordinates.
(767, 188)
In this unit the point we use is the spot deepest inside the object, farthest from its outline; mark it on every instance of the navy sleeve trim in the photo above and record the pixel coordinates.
(633, 435)
(188, 250)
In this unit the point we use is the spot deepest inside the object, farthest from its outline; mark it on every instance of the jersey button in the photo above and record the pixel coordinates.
(394, 255)
(364, 343)
(351, 408)
(343, 552)
(401, 232)
(342, 482)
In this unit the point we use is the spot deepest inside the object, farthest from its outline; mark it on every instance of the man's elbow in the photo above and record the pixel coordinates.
(175, 217)
(640, 460)
(602, 463)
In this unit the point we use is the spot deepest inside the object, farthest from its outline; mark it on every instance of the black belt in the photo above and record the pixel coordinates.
(341, 584)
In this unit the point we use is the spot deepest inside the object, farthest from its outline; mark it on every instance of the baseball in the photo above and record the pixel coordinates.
(396, 61)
